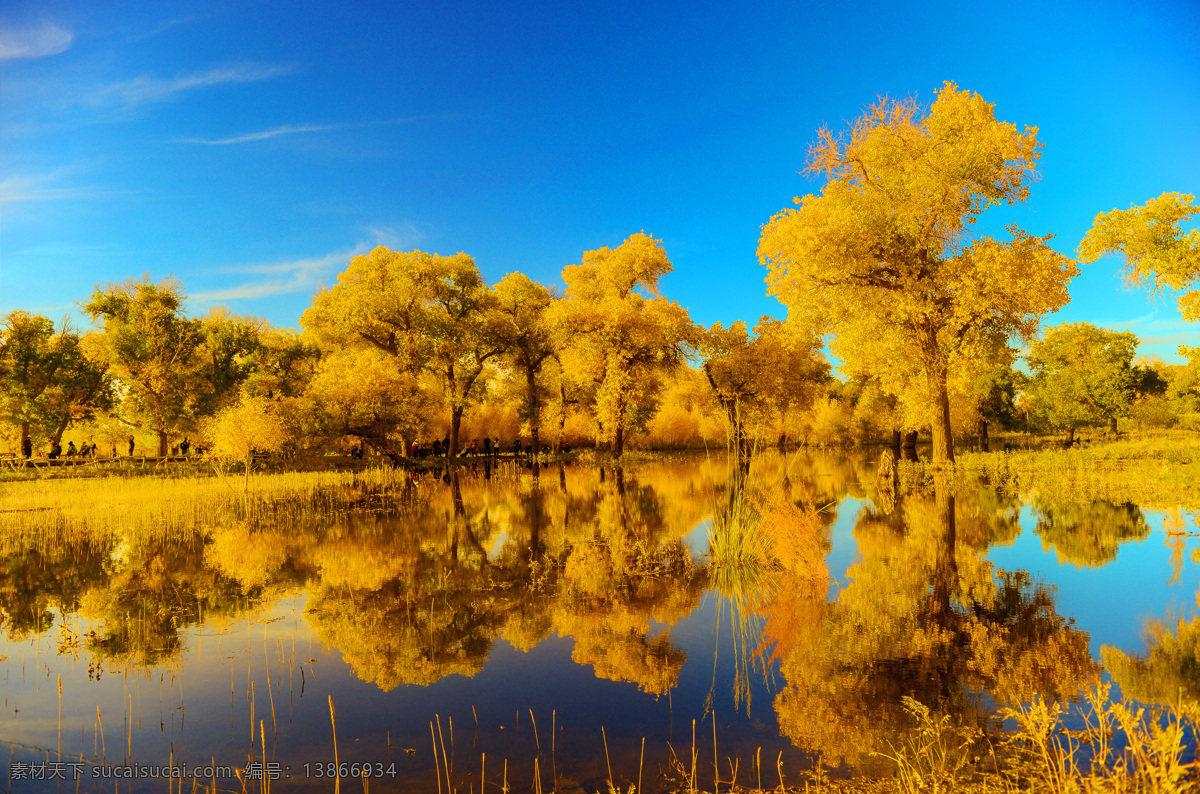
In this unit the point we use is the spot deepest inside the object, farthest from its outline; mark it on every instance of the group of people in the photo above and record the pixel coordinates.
(56, 450)
(89, 450)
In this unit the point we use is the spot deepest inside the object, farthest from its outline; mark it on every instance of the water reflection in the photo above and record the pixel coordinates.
(420, 581)
(1087, 535)
(924, 614)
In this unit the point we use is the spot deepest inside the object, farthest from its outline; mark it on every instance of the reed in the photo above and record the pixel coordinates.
(337, 786)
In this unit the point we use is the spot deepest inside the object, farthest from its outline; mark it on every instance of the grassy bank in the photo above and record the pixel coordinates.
(1161, 470)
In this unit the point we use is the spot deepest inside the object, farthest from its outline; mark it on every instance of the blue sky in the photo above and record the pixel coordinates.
(250, 148)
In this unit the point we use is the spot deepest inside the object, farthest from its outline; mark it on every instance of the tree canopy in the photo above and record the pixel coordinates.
(1082, 375)
(1157, 252)
(153, 351)
(620, 333)
(884, 254)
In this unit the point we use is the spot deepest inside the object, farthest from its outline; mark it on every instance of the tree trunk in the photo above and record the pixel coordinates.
(24, 433)
(1112, 425)
(618, 444)
(456, 415)
(535, 409)
(983, 436)
(162, 442)
(909, 448)
(562, 414)
(1070, 438)
(943, 435)
(896, 444)
(58, 432)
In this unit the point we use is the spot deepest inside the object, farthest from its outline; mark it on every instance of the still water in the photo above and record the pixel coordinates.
(512, 623)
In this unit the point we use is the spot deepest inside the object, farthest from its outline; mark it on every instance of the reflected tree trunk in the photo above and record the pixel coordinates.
(945, 577)
(908, 450)
(983, 436)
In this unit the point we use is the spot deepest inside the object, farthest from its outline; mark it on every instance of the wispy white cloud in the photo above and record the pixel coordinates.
(290, 129)
(49, 39)
(293, 129)
(44, 187)
(1152, 323)
(304, 275)
(166, 25)
(63, 248)
(146, 89)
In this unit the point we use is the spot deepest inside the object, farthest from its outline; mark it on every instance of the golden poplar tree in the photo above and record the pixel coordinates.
(620, 332)
(884, 257)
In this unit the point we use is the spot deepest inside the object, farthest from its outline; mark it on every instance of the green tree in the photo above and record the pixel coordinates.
(882, 257)
(1157, 252)
(48, 378)
(1082, 375)
(230, 345)
(997, 390)
(154, 353)
(523, 305)
(620, 333)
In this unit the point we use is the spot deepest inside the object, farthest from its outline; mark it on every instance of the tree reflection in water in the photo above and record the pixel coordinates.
(924, 615)
(422, 585)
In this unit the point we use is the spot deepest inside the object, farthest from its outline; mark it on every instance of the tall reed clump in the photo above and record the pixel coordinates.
(932, 756)
(760, 544)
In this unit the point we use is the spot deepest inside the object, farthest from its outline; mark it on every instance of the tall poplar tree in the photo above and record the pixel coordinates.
(426, 312)
(523, 306)
(154, 353)
(619, 332)
(884, 256)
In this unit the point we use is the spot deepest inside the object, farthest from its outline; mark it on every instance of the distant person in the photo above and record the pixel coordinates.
(437, 447)
(517, 446)
(131, 446)
(446, 445)
(496, 446)
(71, 451)
(55, 451)
(185, 445)
(114, 449)
(27, 447)
(487, 447)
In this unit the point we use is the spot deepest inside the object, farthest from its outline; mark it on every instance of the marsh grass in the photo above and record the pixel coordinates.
(62, 509)
(1153, 470)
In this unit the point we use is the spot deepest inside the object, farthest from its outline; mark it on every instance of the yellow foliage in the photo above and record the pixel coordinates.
(881, 258)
